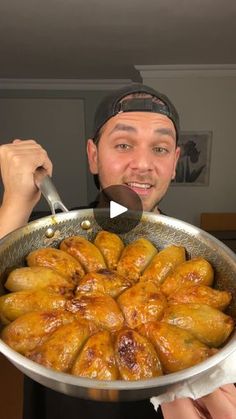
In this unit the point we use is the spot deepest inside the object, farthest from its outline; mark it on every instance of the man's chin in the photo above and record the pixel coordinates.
(149, 206)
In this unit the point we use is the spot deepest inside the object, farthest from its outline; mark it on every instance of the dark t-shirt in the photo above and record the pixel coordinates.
(43, 403)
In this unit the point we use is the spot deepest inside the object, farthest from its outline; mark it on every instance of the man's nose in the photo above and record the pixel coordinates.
(142, 160)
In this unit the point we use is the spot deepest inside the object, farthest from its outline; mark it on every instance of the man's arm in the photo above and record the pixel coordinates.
(18, 162)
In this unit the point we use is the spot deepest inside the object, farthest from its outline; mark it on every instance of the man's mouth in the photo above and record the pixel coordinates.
(140, 188)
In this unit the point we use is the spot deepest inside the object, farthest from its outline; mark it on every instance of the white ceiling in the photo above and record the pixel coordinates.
(91, 39)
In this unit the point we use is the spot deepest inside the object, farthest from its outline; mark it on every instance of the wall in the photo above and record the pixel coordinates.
(61, 121)
(205, 103)
(58, 125)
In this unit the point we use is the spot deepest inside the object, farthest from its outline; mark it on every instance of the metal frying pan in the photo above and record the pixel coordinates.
(161, 230)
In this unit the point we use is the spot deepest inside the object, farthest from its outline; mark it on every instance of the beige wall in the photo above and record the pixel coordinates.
(204, 104)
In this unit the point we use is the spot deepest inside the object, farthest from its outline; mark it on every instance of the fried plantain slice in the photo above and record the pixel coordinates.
(111, 247)
(15, 304)
(97, 358)
(60, 349)
(37, 277)
(176, 348)
(163, 263)
(194, 271)
(201, 294)
(99, 308)
(32, 329)
(135, 356)
(103, 281)
(141, 303)
(206, 323)
(58, 260)
(135, 258)
(85, 252)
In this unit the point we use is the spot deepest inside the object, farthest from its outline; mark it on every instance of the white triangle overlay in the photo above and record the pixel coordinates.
(116, 209)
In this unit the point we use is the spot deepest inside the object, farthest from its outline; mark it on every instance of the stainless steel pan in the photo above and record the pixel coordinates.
(161, 230)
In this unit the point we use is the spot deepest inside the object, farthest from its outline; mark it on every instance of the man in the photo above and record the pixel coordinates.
(134, 144)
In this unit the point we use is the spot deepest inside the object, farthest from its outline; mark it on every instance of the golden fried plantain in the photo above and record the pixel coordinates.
(37, 277)
(99, 308)
(135, 356)
(201, 294)
(97, 358)
(164, 323)
(135, 258)
(206, 323)
(194, 271)
(103, 281)
(111, 247)
(141, 303)
(85, 252)
(176, 348)
(15, 304)
(32, 329)
(56, 259)
(60, 349)
(163, 264)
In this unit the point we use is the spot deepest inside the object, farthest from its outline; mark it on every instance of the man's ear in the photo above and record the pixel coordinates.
(177, 154)
(92, 153)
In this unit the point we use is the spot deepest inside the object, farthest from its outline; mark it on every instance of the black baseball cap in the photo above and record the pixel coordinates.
(115, 103)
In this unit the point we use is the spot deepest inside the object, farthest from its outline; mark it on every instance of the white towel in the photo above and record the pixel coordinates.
(196, 387)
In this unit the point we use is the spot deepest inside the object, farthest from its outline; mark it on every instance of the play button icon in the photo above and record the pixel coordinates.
(118, 209)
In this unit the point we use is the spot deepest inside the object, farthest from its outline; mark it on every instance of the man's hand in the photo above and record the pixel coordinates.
(217, 405)
(18, 163)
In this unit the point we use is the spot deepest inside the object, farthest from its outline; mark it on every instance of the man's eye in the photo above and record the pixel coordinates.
(160, 150)
(123, 146)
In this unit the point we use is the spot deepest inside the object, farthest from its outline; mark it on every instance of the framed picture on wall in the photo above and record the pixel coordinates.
(193, 167)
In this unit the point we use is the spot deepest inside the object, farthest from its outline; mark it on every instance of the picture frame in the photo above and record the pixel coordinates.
(193, 167)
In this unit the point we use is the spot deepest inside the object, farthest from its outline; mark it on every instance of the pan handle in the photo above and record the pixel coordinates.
(46, 186)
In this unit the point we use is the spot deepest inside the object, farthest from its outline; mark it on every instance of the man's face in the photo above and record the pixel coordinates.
(137, 149)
